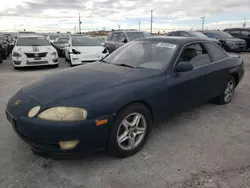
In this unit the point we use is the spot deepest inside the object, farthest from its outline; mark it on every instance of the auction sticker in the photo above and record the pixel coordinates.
(166, 45)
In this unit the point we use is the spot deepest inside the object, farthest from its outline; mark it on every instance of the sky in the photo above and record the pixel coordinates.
(63, 15)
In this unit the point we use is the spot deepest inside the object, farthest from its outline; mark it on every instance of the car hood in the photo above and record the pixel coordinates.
(89, 49)
(213, 40)
(34, 49)
(82, 80)
(234, 40)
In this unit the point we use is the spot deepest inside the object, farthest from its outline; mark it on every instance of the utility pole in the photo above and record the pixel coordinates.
(75, 29)
(139, 25)
(80, 22)
(203, 21)
(151, 27)
(244, 23)
(119, 26)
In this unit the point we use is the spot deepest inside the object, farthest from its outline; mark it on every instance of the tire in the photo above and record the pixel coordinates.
(136, 133)
(228, 90)
(1, 61)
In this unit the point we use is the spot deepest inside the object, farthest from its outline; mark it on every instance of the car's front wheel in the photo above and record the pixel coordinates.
(129, 131)
(228, 92)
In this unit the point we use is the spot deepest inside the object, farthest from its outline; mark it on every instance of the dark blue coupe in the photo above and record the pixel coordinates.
(113, 103)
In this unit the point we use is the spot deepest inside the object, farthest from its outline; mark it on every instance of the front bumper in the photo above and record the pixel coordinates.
(235, 48)
(30, 62)
(78, 59)
(44, 136)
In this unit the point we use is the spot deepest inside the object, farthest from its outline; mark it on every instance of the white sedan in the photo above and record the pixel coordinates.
(83, 49)
(32, 50)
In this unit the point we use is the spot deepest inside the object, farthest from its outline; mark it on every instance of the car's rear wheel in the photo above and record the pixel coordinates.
(129, 131)
(228, 92)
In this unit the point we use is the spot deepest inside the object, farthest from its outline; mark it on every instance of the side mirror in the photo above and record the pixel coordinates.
(184, 66)
(105, 51)
(125, 40)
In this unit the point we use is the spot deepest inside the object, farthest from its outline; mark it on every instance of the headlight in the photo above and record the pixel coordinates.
(16, 54)
(74, 51)
(230, 43)
(34, 111)
(54, 53)
(64, 114)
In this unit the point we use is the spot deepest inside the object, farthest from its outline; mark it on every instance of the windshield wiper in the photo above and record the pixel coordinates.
(125, 65)
(102, 60)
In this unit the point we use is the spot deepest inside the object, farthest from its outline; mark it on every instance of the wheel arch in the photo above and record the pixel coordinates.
(236, 77)
(142, 102)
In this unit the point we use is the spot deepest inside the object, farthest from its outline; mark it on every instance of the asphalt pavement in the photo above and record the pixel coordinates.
(205, 147)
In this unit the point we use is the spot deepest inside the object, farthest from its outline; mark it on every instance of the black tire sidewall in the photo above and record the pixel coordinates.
(112, 146)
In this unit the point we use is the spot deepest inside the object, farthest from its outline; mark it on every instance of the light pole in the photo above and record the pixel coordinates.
(244, 23)
(203, 20)
(151, 28)
(80, 22)
(139, 25)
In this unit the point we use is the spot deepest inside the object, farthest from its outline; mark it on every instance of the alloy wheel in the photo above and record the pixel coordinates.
(229, 91)
(131, 131)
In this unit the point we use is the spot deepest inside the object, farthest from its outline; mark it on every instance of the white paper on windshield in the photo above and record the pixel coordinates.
(166, 45)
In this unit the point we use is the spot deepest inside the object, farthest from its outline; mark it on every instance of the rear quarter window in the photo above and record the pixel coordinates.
(216, 52)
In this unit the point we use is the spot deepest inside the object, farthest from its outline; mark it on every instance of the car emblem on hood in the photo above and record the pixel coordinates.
(36, 55)
(17, 102)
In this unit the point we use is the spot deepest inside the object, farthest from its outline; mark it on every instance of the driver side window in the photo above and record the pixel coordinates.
(122, 37)
(196, 54)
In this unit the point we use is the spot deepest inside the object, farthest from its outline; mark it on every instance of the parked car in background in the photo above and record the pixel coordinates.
(84, 49)
(242, 33)
(192, 34)
(60, 43)
(5, 48)
(33, 50)
(52, 37)
(101, 39)
(116, 39)
(228, 42)
(114, 103)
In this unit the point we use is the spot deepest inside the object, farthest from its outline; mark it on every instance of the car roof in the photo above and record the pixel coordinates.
(128, 31)
(214, 32)
(31, 36)
(237, 28)
(175, 40)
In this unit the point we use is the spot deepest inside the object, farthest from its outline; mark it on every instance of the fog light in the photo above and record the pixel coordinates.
(55, 60)
(68, 145)
(75, 59)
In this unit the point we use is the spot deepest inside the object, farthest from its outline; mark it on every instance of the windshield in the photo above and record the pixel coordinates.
(223, 35)
(84, 41)
(101, 40)
(137, 35)
(197, 34)
(63, 40)
(53, 37)
(32, 41)
(147, 54)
